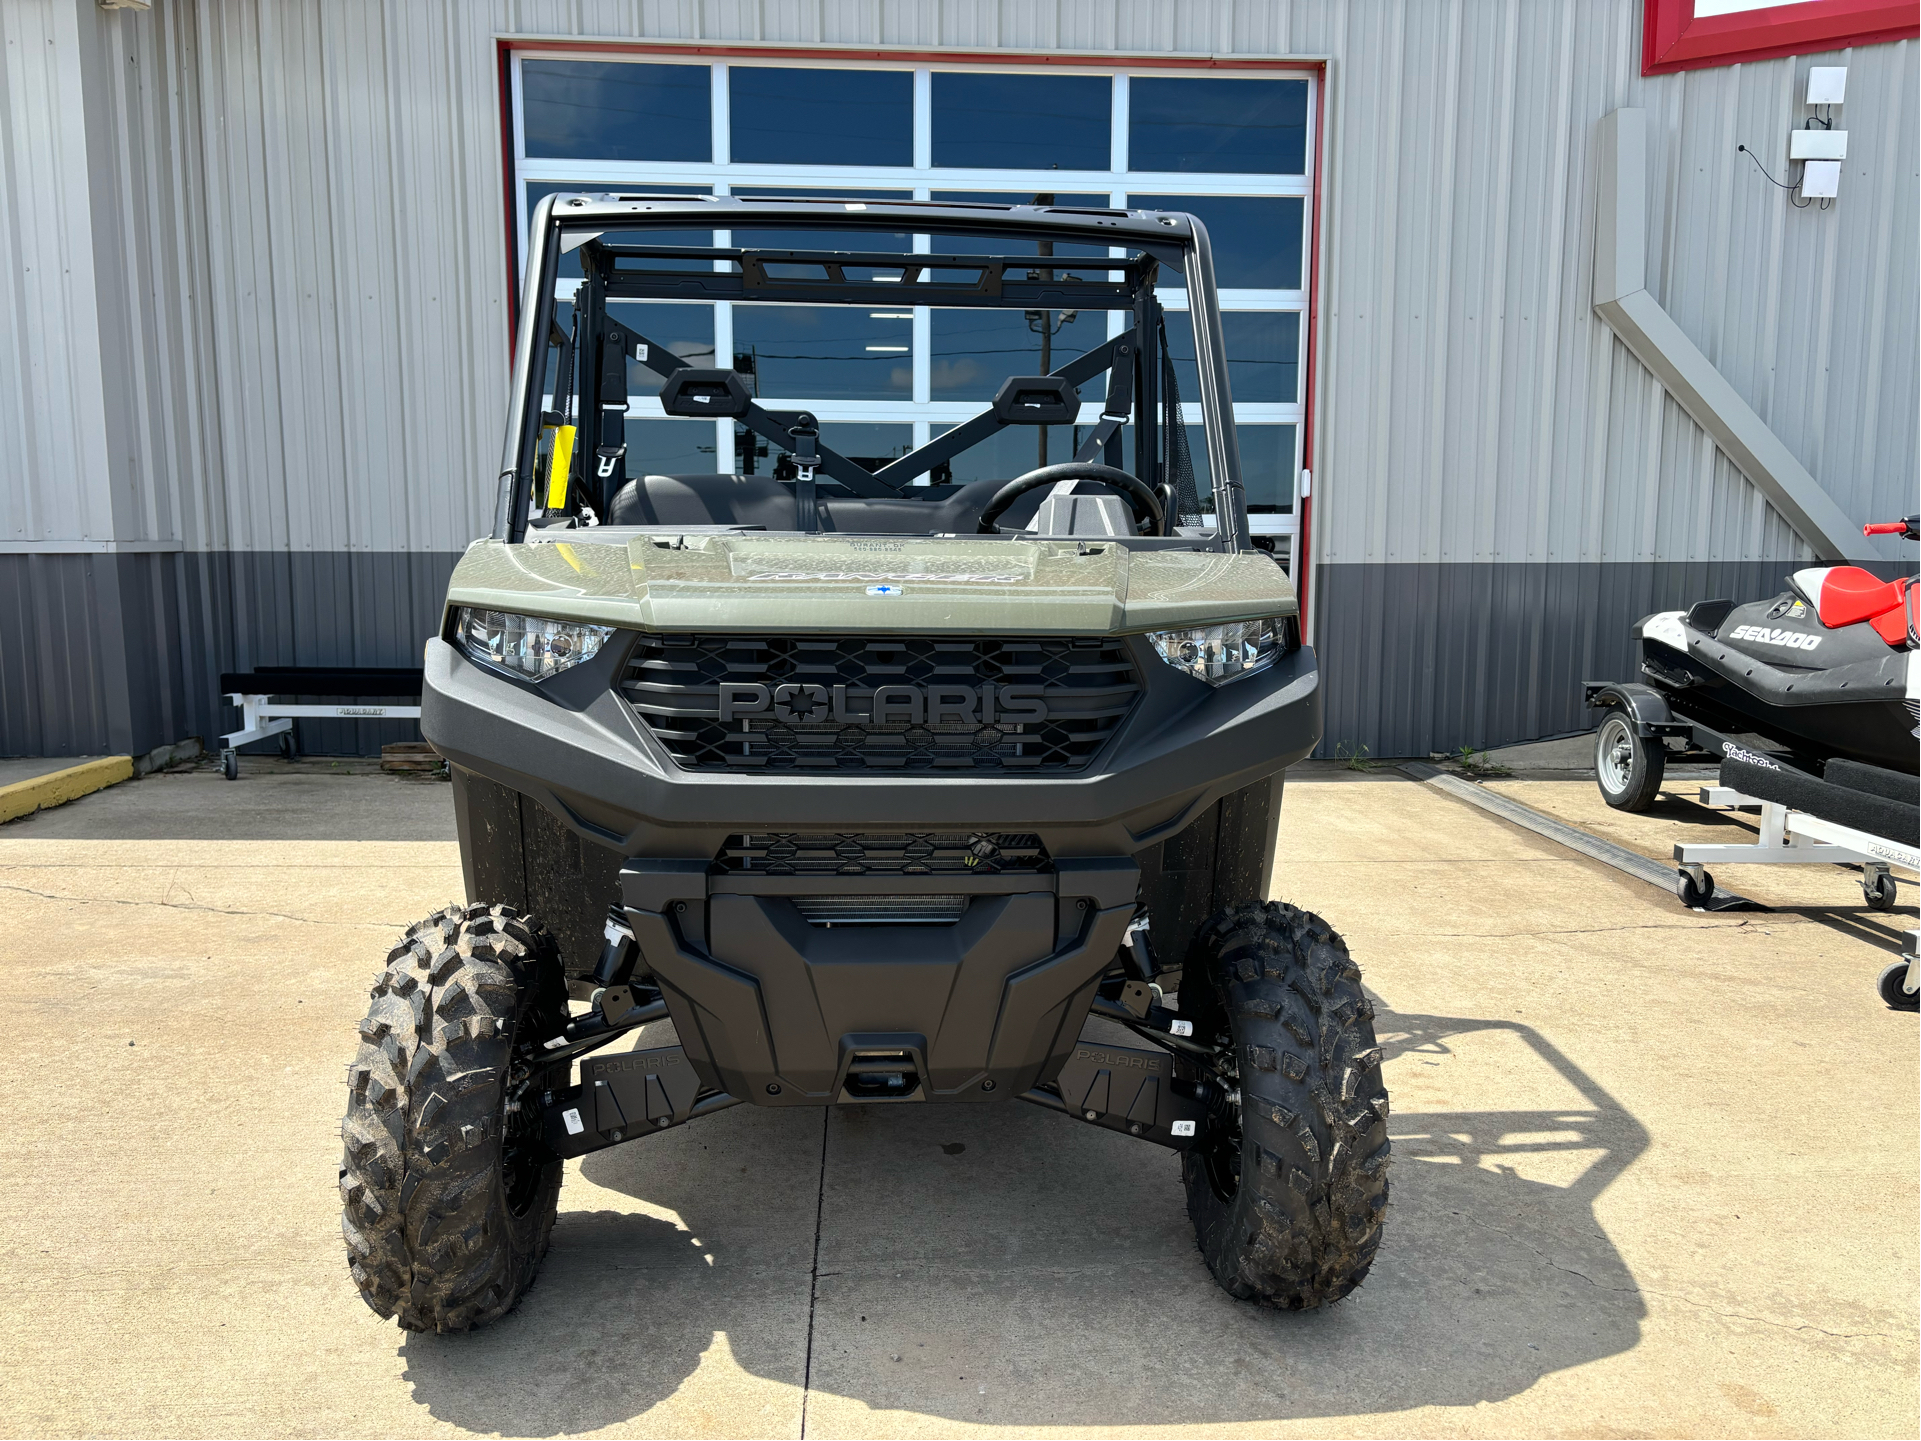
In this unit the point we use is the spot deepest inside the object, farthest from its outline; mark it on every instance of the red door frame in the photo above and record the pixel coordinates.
(506, 47)
(1672, 38)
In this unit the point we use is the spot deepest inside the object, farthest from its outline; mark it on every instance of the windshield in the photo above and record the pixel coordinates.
(836, 373)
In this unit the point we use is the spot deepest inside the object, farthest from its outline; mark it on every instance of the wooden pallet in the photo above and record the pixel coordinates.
(409, 756)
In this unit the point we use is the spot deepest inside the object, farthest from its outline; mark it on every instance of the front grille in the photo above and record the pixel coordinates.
(880, 910)
(809, 703)
(912, 853)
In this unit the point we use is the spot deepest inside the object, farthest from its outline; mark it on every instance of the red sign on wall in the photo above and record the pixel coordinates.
(1675, 37)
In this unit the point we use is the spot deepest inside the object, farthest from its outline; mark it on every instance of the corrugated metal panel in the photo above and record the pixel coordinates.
(358, 258)
(51, 391)
(265, 241)
(326, 181)
(1427, 657)
(1471, 395)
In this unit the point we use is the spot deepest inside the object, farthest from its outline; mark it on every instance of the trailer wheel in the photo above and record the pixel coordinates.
(1893, 989)
(448, 1193)
(1288, 1191)
(230, 764)
(1627, 764)
(1694, 894)
(1879, 891)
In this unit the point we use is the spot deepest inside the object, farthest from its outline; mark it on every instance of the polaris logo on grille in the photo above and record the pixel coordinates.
(987, 704)
(1793, 639)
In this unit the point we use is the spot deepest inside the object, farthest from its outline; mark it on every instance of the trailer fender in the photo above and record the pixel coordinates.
(1647, 706)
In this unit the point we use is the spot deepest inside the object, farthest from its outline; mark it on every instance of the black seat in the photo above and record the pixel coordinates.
(703, 500)
(765, 502)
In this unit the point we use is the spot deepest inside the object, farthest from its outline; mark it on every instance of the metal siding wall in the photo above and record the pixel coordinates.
(355, 214)
(50, 361)
(355, 339)
(1474, 406)
(298, 229)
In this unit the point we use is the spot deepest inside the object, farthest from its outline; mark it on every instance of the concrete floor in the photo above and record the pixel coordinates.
(27, 768)
(1656, 1173)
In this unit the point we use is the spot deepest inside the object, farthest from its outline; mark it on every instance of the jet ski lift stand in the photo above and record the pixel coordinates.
(1793, 833)
(361, 693)
(1792, 838)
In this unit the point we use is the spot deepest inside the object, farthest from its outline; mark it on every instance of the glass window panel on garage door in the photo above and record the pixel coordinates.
(1238, 152)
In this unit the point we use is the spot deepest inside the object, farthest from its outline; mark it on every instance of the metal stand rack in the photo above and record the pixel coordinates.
(263, 717)
(1792, 838)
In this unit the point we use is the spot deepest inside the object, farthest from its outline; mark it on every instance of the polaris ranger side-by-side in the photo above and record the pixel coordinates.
(877, 776)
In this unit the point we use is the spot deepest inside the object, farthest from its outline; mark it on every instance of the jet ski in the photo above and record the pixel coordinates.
(1823, 670)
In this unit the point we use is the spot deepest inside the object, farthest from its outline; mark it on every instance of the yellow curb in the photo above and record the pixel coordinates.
(23, 798)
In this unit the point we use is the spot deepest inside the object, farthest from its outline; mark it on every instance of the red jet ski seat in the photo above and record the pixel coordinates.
(1849, 594)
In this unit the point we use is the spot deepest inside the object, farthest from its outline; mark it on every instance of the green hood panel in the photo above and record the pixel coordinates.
(833, 583)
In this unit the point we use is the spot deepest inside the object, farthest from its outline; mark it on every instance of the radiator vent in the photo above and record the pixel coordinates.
(880, 910)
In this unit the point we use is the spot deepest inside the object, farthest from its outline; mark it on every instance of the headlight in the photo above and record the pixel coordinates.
(526, 645)
(1221, 653)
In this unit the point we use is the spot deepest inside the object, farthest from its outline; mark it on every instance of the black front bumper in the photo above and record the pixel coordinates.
(773, 1007)
(580, 752)
(780, 1012)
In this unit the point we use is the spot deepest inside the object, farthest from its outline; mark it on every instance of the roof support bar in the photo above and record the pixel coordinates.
(1621, 299)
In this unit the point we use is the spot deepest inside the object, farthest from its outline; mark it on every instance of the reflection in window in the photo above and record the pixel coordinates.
(1267, 466)
(809, 239)
(1030, 122)
(670, 447)
(612, 110)
(1263, 354)
(569, 268)
(867, 445)
(1250, 126)
(973, 351)
(683, 330)
(821, 117)
(991, 245)
(827, 352)
(1016, 449)
(1256, 239)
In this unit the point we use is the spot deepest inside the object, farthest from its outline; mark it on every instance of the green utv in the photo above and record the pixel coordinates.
(867, 773)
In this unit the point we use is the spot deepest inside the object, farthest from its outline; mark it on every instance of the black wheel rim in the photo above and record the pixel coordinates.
(524, 1156)
(1221, 1151)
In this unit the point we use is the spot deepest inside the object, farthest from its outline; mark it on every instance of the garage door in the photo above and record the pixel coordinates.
(1238, 151)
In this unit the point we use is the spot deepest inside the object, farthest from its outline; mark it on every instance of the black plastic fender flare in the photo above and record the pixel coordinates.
(1647, 706)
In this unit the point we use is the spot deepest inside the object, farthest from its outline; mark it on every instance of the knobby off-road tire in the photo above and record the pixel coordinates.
(1288, 1194)
(448, 1194)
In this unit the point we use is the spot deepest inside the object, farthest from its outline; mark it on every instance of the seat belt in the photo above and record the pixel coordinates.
(1119, 407)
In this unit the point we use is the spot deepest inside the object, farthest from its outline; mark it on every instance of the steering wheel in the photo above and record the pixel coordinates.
(1146, 505)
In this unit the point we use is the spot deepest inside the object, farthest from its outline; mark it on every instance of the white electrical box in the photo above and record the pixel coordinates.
(1817, 145)
(1827, 84)
(1821, 180)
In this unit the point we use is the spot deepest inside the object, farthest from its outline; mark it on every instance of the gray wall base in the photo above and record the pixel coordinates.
(1426, 657)
(118, 654)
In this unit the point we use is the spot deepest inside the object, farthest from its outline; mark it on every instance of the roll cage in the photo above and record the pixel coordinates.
(592, 386)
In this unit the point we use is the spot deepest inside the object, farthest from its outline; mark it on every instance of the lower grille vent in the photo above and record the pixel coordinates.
(905, 853)
(880, 910)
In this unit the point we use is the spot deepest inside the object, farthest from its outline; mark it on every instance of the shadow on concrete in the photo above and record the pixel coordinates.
(1003, 1266)
(620, 1317)
(1857, 922)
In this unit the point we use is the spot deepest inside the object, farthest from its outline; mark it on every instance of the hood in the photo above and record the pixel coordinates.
(891, 584)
